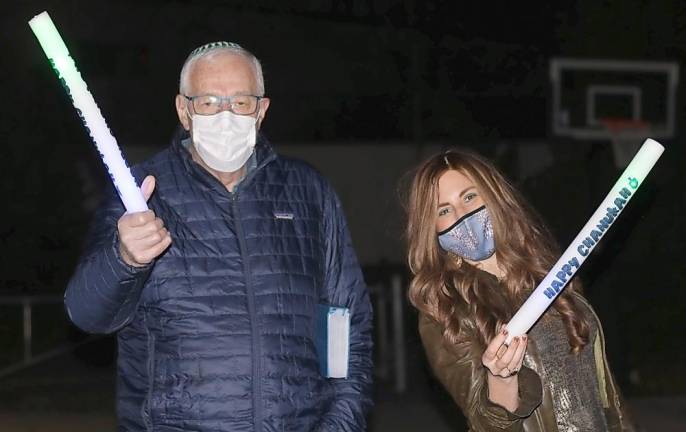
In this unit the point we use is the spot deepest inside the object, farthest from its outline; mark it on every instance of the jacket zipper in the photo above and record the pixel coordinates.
(256, 349)
(145, 409)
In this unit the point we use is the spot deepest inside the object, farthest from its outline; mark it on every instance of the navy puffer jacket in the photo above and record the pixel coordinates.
(217, 334)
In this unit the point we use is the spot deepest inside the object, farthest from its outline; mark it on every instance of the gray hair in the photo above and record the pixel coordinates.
(211, 50)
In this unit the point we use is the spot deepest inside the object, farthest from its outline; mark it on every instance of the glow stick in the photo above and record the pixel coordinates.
(65, 68)
(570, 261)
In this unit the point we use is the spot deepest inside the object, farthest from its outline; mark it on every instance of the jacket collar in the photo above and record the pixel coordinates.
(263, 155)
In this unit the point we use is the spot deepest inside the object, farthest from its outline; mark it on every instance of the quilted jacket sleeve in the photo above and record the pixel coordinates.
(345, 287)
(467, 384)
(103, 293)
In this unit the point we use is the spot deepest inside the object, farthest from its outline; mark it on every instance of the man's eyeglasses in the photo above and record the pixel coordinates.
(210, 104)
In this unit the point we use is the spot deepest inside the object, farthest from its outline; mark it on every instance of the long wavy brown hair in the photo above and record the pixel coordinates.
(468, 303)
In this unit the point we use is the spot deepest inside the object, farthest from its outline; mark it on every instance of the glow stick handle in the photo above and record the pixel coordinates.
(570, 261)
(56, 51)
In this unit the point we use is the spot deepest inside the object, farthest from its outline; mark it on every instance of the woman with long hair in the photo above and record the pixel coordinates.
(476, 251)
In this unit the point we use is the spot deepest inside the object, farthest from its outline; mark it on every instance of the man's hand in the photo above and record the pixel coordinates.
(142, 236)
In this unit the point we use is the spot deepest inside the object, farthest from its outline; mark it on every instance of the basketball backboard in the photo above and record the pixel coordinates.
(586, 93)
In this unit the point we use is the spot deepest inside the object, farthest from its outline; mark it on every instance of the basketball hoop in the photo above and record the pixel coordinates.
(626, 135)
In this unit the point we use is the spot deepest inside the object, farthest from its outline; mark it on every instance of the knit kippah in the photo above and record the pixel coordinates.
(214, 45)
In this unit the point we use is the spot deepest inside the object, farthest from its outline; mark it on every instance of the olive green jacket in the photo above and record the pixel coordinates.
(460, 371)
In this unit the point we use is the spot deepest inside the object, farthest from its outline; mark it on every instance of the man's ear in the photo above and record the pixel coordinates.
(182, 111)
(261, 114)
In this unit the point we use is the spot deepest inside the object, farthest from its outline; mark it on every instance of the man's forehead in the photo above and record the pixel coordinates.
(224, 62)
(225, 69)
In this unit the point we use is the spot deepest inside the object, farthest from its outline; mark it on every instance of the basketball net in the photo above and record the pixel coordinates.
(626, 136)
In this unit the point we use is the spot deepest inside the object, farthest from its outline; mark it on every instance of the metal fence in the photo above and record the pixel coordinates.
(389, 335)
(28, 357)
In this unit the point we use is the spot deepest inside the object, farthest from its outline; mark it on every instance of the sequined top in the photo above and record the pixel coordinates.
(570, 378)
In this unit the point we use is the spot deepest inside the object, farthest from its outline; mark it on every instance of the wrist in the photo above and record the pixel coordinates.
(503, 391)
(497, 379)
(128, 259)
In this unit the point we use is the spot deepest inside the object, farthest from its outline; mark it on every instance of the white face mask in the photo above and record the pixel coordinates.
(224, 140)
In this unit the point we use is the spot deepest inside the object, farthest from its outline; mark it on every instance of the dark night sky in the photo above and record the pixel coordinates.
(410, 69)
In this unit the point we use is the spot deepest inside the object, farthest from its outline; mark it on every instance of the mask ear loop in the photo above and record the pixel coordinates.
(258, 120)
(188, 111)
(189, 117)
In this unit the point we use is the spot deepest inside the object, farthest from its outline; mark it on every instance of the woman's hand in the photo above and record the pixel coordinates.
(501, 360)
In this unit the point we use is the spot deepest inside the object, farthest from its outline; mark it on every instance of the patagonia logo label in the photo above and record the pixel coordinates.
(283, 215)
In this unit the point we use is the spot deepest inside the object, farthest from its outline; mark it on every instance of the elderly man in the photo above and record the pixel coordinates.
(214, 291)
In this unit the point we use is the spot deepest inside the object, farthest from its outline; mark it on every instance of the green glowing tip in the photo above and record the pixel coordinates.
(48, 36)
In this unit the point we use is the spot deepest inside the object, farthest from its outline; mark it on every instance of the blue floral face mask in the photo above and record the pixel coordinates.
(471, 237)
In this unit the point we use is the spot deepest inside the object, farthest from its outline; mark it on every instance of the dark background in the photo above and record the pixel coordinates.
(406, 73)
